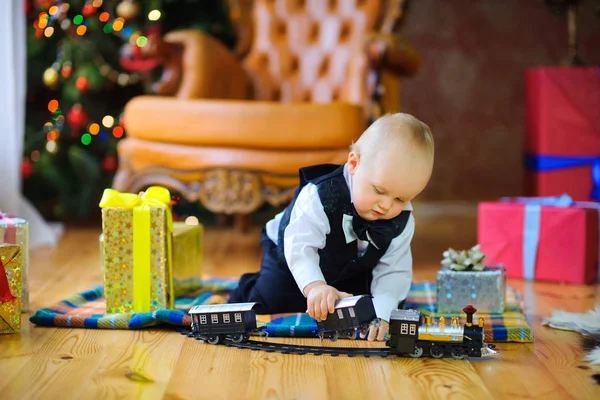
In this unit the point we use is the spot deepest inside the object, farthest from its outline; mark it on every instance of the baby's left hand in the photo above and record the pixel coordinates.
(378, 331)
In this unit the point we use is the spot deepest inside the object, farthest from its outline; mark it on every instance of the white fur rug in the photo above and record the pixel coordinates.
(594, 356)
(587, 324)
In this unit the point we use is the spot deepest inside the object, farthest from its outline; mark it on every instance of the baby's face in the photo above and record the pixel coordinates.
(381, 188)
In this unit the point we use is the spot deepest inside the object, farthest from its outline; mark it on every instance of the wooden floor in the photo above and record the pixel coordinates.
(62, 363)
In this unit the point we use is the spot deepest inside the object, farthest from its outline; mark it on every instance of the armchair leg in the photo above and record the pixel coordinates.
(223, 220)
(122, 180)
(242, 222)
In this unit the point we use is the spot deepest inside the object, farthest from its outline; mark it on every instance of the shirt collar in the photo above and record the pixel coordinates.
(348, 179)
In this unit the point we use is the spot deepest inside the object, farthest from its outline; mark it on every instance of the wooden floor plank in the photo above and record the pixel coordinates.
(17, 351)
(210, 372)
(139, 364)
(560, 351)
(70, 362)
(160, 363)
(505, 377)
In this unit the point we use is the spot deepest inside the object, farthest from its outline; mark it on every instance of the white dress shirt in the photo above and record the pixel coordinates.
(307, 231)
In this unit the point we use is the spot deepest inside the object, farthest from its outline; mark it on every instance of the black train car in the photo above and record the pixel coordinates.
(215, 321)
(350, 314)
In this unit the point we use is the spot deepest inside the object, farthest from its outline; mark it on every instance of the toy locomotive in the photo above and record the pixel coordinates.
(410, 333)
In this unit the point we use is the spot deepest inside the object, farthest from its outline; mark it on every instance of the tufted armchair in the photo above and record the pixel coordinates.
(231, 128)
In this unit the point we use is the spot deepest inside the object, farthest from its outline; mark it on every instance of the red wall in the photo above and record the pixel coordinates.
(470, 86)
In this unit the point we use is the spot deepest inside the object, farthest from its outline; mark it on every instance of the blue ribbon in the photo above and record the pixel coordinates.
(542, 163)
(532, 222)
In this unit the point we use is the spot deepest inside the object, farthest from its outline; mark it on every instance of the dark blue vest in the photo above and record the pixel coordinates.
(340, 262)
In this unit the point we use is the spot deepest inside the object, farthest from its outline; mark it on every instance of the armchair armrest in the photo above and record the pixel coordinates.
(208, 68)
(392, 53)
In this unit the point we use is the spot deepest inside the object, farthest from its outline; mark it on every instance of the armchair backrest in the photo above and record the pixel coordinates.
(312, 50)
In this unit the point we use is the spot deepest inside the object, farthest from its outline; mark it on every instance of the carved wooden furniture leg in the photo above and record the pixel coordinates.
(223, 219)
(242, 222)
(123, 177)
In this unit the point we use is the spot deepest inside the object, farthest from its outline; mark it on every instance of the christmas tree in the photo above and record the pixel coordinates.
(84, 64)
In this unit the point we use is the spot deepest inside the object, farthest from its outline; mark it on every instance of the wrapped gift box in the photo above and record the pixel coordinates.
(486, 290)
(11, 266)
(549, 239)
(188, 244)
(137, 250)
(187, 255)
(562, 140)
(14, 230)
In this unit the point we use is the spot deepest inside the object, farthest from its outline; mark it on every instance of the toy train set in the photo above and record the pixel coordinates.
(410, 333)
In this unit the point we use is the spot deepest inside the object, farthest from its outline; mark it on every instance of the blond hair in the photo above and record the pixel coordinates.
(392, 127)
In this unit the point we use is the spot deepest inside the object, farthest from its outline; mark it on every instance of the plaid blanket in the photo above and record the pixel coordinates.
(88, 310)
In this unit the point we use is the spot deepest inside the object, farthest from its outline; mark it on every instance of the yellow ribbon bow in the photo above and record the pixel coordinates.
(154, 196)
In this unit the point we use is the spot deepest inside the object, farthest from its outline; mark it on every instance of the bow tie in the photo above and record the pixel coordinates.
(378, 232)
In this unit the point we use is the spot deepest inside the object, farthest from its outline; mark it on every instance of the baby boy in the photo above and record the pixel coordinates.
(348, 228)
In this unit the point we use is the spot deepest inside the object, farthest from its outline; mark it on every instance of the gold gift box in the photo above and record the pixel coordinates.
(188, 243)
(120, 278)
(10, 308)
(21, 238)
(188, 253)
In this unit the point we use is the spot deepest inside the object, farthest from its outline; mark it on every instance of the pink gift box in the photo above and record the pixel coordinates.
(547, 239)
(562, 140)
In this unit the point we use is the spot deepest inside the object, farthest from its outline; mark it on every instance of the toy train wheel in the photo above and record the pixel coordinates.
(213, 339)
(417, 353)
(459, 354)
(333, 336)
(436, 352)
(350, 333)
(237, 338)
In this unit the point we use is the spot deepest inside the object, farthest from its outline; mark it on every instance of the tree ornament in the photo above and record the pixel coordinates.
(132, 59)
(67, 70)
(88, 10)
(50, 77)
(109, 163)
(82, 84)
(26, 168)
(128, 9)
(45, 4)
(77, 118)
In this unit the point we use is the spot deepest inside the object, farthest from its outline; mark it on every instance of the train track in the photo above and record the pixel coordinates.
(301, 350)
(314, 350)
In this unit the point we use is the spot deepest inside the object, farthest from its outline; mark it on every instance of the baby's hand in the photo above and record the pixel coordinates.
(378, 331)
(321, 298)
